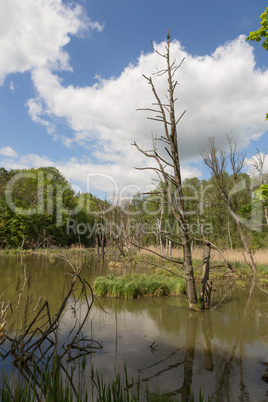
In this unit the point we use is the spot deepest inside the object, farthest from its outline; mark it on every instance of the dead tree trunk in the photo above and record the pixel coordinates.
(170, 249)
(159, 224)
(206, 284)
(168, 166)
(216, 161)
(97, 248)
(102, 247)
(97, 238)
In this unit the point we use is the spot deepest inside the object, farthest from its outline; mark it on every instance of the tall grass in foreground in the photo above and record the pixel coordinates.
(138, 285)
(57, 387)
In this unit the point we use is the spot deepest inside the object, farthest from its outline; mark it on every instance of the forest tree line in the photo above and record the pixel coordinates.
(39, 209)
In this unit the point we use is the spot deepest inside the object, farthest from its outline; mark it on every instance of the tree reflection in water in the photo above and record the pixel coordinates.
(229, 367)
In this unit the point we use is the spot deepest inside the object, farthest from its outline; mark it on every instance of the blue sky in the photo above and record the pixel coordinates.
(71, 81)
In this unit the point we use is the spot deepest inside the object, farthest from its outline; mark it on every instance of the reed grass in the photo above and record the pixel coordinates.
(232, 255)
(237, 258)
(74, 249)
(57, 387)
(138, 285)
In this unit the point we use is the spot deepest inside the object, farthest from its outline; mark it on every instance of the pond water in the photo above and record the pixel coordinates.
(160, 341)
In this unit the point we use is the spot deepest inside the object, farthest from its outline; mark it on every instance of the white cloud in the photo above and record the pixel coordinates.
(115, 180)
(9, 152)
(23, 161)
(258, 159)
(35, 109)
(222, 93)
(34, 32)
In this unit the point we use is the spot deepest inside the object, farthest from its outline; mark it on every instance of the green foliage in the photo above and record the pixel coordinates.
(51, 220)
(206, 213)
(39, 208)
(261, 33)
(261, 194)
(138, 285)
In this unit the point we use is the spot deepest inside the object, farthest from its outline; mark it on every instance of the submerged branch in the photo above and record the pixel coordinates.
(40, 345)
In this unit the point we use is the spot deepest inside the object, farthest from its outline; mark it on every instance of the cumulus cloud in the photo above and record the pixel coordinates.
(222, 93)
(35, 109)
(9, 152)
(86, 176)
(34, 32)
(258, 163)
(12, 160)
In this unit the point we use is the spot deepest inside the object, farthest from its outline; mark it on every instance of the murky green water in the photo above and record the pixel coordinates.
(222, 351)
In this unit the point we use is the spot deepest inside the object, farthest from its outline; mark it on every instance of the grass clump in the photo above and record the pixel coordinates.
(138, 285)
(48, 385)
(57, 387)
(118, 390)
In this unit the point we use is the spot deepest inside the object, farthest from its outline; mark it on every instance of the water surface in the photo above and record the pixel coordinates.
(159, 340)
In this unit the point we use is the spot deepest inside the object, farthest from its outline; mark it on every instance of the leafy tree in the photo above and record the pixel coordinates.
(262, 194)
(261, 33)
(39, 208)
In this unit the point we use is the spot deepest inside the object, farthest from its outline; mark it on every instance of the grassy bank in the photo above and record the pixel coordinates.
(218, 265)
(143, 261)
(48, 251)
(138, 285)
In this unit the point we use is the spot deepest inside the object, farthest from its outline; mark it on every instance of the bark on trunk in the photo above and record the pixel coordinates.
(206, 284)
(189, 274)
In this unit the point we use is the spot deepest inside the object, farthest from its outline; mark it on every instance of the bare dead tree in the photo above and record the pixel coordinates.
(100, 231)
(258, 163)
(206, 284)
(216, 160)
(168, 167)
